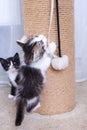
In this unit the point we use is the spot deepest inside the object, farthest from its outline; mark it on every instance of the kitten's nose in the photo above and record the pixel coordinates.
(12, 66)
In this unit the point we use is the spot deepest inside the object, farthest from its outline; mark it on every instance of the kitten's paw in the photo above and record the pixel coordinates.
(52, 47)
(14, 98)
(17, 123)
(11, 96)
(36, 107)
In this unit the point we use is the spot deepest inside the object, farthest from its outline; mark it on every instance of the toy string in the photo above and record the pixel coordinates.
(58, 28)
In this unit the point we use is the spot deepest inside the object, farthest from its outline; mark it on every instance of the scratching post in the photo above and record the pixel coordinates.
(58, 95)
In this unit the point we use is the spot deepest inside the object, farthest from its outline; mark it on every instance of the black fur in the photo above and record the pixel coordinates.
(13, 90)
(20, 111)
(30, 85)
(32, 82)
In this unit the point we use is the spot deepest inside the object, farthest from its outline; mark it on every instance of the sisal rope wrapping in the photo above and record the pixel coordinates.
(58, 95)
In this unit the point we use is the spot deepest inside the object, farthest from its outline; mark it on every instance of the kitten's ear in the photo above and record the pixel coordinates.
(20, 44)
(2, 60)
(22, 41)
(16, 55)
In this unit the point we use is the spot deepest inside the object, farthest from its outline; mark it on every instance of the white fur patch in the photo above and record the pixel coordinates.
(12, 73)
(11, 96)
(39, 38)
(29, 102)
(35, 108)
(51, 48)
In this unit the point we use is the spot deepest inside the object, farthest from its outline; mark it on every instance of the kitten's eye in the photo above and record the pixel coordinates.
(14, 63)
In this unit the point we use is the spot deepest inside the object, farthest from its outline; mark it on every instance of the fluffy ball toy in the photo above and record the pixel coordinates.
(60, 63)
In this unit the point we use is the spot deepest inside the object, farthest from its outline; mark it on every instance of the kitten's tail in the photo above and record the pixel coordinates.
(20, 111)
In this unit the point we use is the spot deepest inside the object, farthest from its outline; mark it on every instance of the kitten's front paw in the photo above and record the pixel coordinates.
(11, 96)
(14, 98)
(52, 47)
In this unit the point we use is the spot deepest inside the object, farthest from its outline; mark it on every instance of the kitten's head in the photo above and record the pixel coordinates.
(33, 49)
(10, 63)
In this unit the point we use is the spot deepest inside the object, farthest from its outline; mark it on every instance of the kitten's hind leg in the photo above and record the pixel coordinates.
(12, 93)
(20, 111)
(33, 104)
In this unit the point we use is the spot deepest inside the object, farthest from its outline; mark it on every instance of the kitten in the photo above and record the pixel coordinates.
(11, 66)
(29, 88)
(31, 77)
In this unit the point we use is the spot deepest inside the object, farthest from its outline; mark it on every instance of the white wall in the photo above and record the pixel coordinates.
(81, 39)
(11, 29)
(9, 12)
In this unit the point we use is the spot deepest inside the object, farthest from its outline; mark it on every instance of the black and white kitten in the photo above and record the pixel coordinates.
(11, 66)
(37, 58)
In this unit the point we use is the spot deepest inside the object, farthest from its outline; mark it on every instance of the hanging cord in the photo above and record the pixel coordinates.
(58, 25)
(51, 16)
(58, 28)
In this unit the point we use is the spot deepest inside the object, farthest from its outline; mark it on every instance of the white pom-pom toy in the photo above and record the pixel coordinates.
(60, 63)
